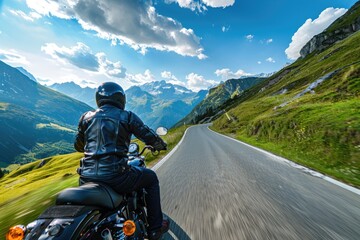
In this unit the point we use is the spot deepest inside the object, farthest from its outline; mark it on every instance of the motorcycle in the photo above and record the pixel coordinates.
(93, 211)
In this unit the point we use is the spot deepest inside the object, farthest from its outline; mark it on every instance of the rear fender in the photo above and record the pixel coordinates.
(63, 222)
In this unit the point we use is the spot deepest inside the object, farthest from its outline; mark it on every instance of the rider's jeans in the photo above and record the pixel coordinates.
(150, 182)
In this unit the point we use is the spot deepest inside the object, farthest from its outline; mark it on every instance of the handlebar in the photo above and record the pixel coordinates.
(147, 147)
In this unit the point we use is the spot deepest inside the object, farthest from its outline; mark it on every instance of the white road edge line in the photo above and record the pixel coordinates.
(298, 166)
(162, 161)
(173, 235)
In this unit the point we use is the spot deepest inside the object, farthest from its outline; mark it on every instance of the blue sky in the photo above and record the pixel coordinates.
(194, 43)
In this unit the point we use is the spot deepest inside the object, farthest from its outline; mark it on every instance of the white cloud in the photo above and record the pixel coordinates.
(225, 73)
(28, 17)
(197, 82)
(12, 56)
(79, 55)
(311, 28)
(82, 57)
(249, 37)
(218, 3)
(191, 4)
(259, 62)
(58, 8)
(170, 78)
(113, 69)
(48, 70)
(134, 23)
(270, 40)
(168, 75)
(225, 29)
(270, 59)
(194, 82)
(141, 78)
(201, 5)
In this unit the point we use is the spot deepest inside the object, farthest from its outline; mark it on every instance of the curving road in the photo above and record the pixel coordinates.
(215, 188)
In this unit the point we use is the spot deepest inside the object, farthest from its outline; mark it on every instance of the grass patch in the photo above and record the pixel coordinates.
(28, 190)
(3, 106)
(53, 126)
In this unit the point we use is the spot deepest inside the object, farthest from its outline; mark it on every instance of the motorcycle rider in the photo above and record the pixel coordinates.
(104, 136)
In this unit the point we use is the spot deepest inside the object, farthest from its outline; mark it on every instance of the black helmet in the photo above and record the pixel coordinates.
(110, 93)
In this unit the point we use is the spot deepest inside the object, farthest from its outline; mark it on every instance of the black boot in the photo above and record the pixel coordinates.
(157, 234)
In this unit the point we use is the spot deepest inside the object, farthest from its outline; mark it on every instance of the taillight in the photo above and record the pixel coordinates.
(129, 228)
(16, 233)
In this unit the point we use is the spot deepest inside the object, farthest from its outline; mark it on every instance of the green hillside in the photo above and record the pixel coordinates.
(353, 15)
(28, 135)
(27, 191)
(35, 121)
(31, 188)
(217, 96)
(308, 112)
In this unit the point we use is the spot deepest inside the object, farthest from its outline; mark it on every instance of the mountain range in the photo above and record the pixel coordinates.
(86, 95)
(157, 103)
(162, 104)
(35, 121)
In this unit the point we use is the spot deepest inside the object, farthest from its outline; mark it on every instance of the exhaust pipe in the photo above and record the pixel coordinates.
(106, 234)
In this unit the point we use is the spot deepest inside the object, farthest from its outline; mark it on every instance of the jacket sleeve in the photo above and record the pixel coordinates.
(79, 143)
(141, 131)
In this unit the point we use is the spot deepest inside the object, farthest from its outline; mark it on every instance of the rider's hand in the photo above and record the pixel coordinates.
(159, 145)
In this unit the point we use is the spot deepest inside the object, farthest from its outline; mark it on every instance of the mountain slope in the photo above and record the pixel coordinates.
(308, 112)
(343, 27)
(86, 95)
(34, 121)
(26, 73)
(217, 96)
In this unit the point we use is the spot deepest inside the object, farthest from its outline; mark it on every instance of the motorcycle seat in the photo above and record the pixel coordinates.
(90, 194)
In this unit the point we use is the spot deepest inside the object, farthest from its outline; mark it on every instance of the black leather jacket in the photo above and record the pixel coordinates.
(104, 136)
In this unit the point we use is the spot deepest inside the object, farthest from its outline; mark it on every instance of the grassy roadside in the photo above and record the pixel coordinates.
(308, 112)
(322, 136)
(172, 138)
(30, 189)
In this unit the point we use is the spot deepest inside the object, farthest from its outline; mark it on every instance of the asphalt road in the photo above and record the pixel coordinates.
(215, 188)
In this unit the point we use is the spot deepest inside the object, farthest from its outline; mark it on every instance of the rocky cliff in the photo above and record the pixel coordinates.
(343, 27)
